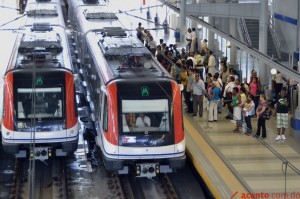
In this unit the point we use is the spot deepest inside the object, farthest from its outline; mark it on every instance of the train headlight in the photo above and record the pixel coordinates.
(138, 170)
(180, 147)
(71, 133)
(49, 152)
(157, 169)
(8, 133)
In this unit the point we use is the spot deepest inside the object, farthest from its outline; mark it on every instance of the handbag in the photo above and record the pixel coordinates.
(267, 114)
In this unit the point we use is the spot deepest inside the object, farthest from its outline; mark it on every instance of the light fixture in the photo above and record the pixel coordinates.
(228, 44)
(273, 71)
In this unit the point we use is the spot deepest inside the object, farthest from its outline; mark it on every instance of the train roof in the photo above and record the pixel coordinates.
(43, 48)
(120, 55)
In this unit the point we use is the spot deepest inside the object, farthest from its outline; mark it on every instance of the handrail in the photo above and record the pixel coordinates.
(245, 33)
(274, 35)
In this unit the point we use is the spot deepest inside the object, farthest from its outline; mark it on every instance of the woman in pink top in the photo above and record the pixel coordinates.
(254, 90)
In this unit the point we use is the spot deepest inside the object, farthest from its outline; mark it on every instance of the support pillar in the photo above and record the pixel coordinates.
(211, 35)
(233, 32)
(295, 121)
(193, 22)
(264, 70)
(182, 20)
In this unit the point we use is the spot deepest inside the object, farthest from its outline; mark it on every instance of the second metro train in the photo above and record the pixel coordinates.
(136, 106)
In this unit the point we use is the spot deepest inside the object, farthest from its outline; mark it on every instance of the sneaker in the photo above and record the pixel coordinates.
(283, 137)
(278, 137)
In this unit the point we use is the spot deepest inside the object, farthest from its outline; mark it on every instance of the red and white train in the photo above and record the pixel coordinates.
(38, 90)
(136, 106)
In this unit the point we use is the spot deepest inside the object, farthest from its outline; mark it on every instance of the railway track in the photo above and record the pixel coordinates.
(6, 174)
(145, 188)
(50, 180)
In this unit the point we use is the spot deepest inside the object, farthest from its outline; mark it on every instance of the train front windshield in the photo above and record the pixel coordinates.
(145, 116)
(46, 104)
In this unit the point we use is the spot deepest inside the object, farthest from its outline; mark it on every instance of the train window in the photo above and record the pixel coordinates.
(145, 116)
(48, 103)
(105, 114)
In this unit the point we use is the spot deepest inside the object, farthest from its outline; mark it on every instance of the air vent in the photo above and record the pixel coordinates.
(41, 9)
(43, 0)
(90, 1)
(41, 27)
(99, 15)
(39, 54)
(114, 32)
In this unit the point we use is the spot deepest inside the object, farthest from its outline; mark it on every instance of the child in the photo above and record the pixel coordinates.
(249, 110)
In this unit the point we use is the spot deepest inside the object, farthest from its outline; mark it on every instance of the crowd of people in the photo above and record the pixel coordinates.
(196, 68)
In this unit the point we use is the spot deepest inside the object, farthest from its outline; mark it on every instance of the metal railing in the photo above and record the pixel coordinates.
(244, 31)
(274, 35)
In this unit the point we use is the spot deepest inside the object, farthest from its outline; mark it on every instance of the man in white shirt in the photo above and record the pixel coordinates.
(143, 121)
(188, 39)
(194, 61)
(194, 41)
(228, 95)
(197, 89)
(211, 63)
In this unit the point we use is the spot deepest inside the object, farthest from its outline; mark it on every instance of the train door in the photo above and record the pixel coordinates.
(103, 118)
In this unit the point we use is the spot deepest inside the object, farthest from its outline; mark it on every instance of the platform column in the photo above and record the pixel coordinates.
(295, 119)
(211, 34)
(233, 32)
(264, 70)
(182, 20)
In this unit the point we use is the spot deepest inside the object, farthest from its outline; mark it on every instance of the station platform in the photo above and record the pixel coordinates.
(253, 162)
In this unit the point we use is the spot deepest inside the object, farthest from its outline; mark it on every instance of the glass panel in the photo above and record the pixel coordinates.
(48, 103)
(145, 115)
(105, 115)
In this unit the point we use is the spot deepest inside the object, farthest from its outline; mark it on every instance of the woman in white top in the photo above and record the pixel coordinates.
(249, 110)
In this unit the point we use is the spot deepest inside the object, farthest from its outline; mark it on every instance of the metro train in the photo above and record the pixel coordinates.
(38, 89)
(135, 104)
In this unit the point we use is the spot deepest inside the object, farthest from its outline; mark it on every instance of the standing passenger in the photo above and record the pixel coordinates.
(190, 80)
(197, 89)
(249, 110)
(189, 40)
(282, 104)
(211, 63)
(213, 104)
(237, 111)
(261, 122)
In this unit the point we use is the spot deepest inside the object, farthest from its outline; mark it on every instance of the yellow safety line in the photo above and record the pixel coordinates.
(203, 175)
(228, 177)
